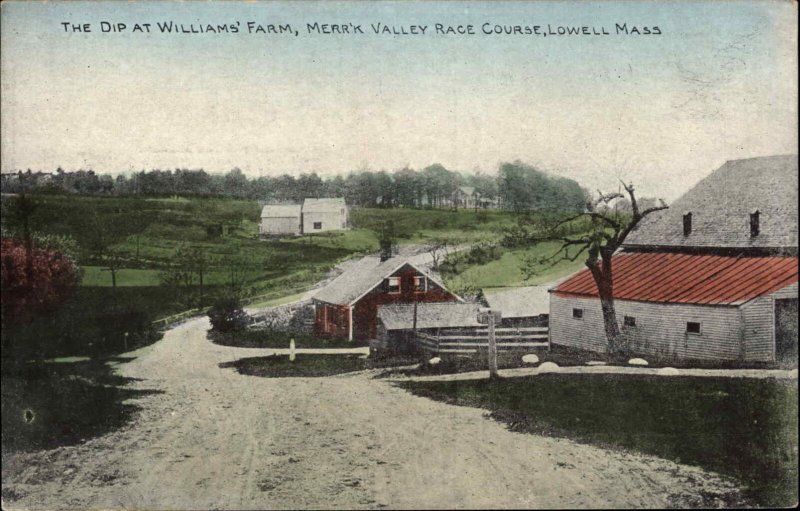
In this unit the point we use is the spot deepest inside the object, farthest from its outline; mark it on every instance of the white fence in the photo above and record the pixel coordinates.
(474, 340)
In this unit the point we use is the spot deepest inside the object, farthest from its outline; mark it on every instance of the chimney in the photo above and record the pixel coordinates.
(386, 253)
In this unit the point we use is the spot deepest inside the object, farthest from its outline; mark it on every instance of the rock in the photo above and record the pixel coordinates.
(595, 363)
(435, 361)
(530, 359)
(668, 371)
(637, 362)
(549, 367)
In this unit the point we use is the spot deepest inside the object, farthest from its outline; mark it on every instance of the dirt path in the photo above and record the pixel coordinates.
(217, 439)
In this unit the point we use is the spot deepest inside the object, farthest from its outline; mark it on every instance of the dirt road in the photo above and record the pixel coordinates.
(215, 439)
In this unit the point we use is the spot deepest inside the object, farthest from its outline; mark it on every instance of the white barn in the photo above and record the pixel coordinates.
(321, 215)
(713, 277)
(281, 220)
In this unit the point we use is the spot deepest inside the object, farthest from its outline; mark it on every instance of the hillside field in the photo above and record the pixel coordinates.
(140, 237)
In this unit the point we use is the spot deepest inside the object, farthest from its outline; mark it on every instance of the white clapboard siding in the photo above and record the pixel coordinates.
(759, 323)
(660, 328)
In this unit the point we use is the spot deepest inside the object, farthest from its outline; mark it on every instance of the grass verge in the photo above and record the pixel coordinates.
(741, 427)
(304, 366)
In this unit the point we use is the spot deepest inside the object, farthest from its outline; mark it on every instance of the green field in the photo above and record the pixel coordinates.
(140, 238)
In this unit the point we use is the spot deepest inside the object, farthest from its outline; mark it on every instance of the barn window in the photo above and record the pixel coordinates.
(577, 313)
(755, 227)
(420, 284)
(629, 321)
(393, 284)
(317, 225)
(687, 223)
(692, 327)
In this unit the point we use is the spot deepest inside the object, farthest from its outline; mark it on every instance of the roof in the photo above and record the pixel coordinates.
(361, 276)
(521, 302)
(323, 205)
(429, 315)
(467, 190)
(721, 205)
(281, 211)
(694, 279)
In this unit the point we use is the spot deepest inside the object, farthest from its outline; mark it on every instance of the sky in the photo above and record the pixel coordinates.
(661, 111)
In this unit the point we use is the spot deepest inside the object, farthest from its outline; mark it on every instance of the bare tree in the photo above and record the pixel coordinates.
(607, 230)
(438, 251)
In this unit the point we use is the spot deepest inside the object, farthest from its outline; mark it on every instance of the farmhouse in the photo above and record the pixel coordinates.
(712, 277)
(281, 220)
(324, 215)
(348, 306)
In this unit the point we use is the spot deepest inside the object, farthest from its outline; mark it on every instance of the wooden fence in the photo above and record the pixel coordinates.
(474, 340)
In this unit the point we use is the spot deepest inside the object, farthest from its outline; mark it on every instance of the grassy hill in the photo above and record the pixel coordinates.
(140, 237)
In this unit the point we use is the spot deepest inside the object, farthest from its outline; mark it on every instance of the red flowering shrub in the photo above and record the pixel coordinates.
(53, 280)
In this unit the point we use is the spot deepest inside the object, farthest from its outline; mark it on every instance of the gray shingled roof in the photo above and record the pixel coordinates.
(323, 205)
(429, 315)
(721, 205)
(281, 211)
(360, 277)
(521, 302)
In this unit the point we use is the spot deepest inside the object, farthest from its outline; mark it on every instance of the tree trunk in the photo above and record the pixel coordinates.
(604, 279)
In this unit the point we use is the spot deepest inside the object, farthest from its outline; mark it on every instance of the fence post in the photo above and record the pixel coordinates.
(492, 351)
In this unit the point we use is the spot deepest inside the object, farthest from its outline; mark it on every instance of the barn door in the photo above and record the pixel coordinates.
(786, 331)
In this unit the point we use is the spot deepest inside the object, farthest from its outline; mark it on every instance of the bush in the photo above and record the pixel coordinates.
(227, 315)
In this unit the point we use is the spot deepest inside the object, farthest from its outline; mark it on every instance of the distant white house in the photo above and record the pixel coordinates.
(314, 215)
(321, 215)
(281, 220)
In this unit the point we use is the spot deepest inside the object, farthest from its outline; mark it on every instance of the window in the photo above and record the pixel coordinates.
(317, 225)
(577, 313)
(629, 321)
(687, 223)
(755, 228)
(393, 284)
(420, 284)
(693, 327)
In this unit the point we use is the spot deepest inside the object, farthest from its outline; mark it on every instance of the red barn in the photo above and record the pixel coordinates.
(348, 306)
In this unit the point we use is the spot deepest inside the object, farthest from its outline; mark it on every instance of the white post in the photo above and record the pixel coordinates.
(492, 351)
(291, 350)
(350, 323)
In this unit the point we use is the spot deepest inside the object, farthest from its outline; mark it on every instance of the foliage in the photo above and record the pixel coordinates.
(523, 186)
(35, 286)
(227, 315)
(517, 185)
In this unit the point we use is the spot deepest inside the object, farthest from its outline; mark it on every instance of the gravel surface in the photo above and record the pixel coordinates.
(218, 439)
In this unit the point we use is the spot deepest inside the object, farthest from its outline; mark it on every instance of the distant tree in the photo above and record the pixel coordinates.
(406, 185)
(523, 187)
(438, 250)
(309, 186)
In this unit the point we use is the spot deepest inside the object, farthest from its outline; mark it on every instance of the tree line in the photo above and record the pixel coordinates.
(515, 185)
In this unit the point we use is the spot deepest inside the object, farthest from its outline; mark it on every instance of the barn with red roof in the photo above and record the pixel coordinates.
(713, 277)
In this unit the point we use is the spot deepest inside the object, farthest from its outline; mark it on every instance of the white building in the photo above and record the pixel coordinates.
(281, 220)
(321, 215)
